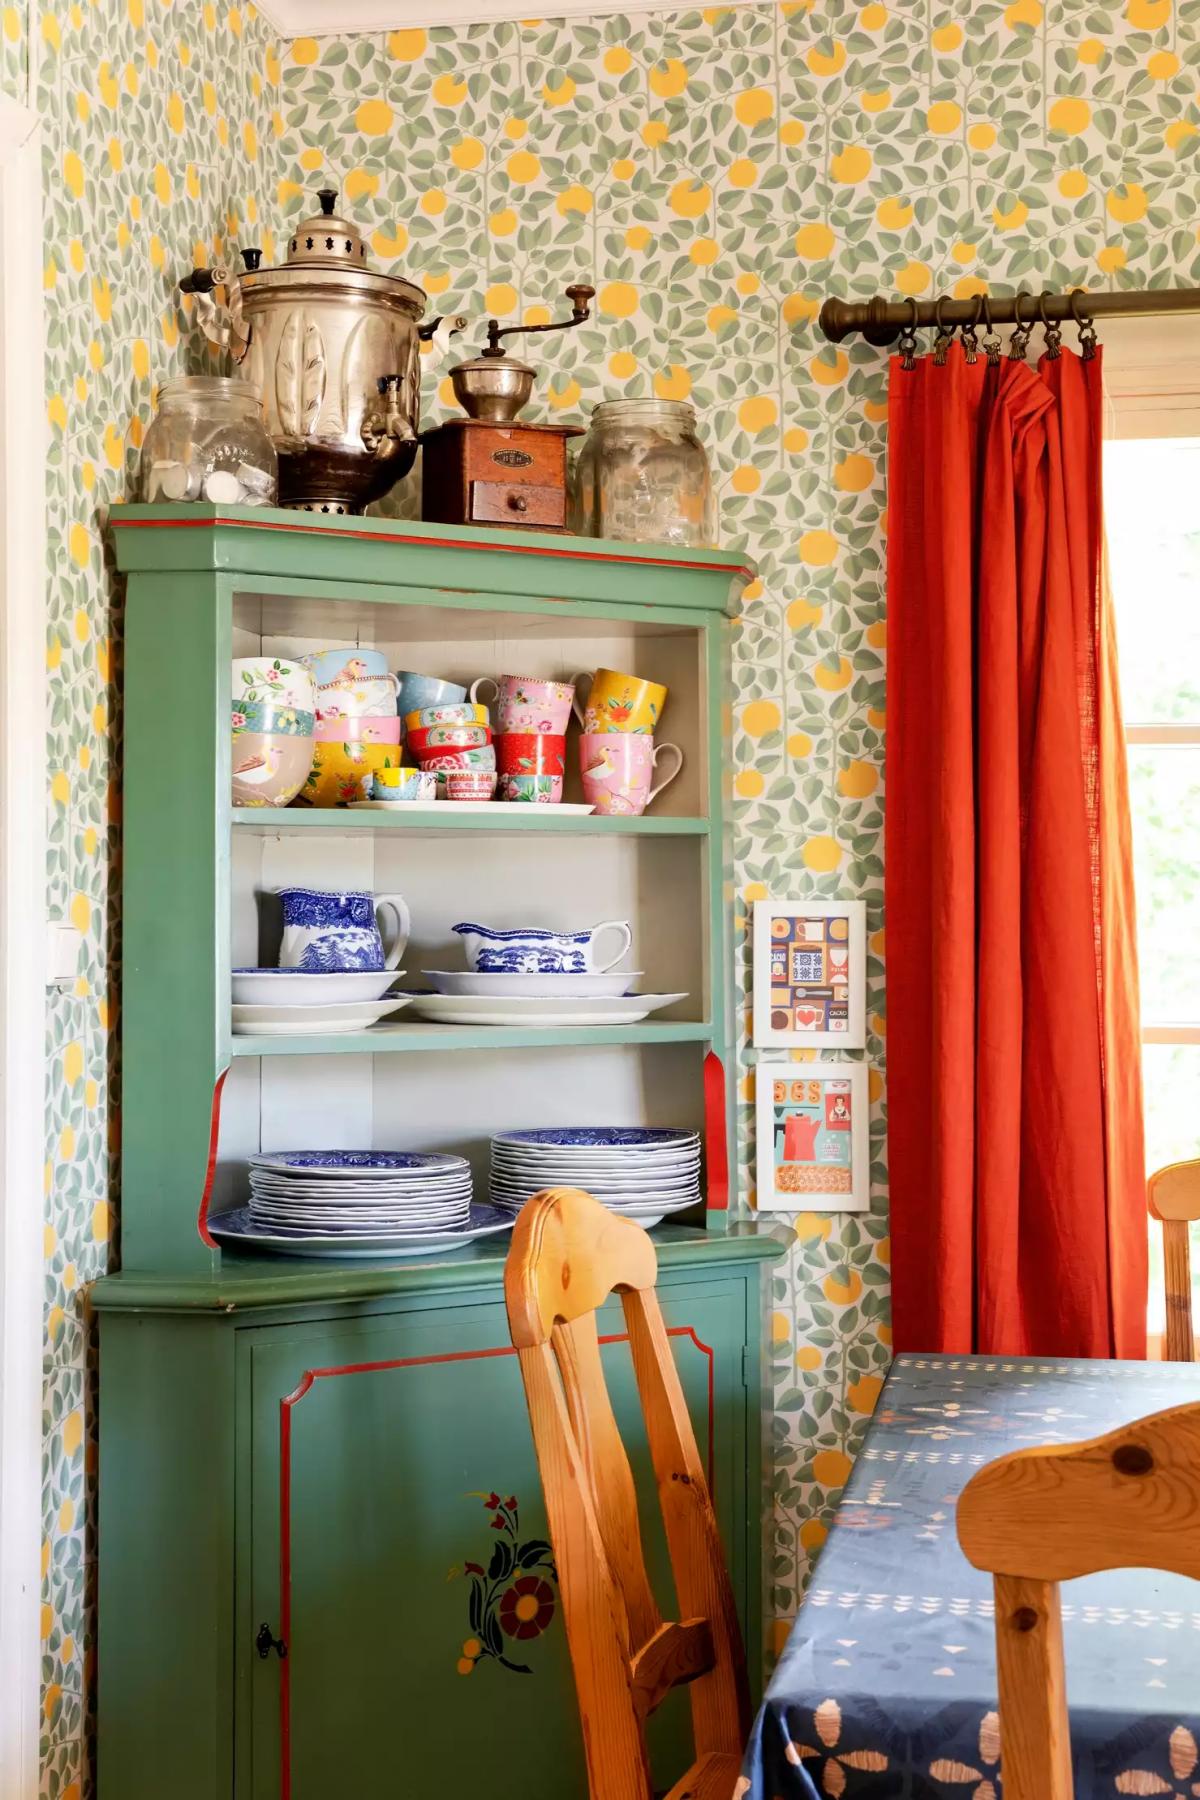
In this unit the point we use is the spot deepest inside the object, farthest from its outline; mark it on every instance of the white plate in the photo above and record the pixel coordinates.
(292, 987)
(309, 1021)
(530, 987)
(452, 1009)
(237, 1228)
(442, 808)
(359, 1165)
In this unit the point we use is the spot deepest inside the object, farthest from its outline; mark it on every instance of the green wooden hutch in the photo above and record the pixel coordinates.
(300, 1462)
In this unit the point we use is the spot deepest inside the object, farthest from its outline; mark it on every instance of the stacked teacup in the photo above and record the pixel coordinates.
(449, 737)
(357, 729)
(618, 756)
(273, 723)
(532, 715)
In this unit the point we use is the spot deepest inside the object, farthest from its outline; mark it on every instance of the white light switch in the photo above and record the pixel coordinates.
(63, 944)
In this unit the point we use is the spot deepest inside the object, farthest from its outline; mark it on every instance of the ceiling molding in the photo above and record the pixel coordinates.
(343, 18)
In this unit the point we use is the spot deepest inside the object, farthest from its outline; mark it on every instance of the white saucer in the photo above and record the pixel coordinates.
(511, 986)
(453, 1009)
(308, 1021)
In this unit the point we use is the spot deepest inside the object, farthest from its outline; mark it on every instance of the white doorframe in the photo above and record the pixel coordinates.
(23, 437)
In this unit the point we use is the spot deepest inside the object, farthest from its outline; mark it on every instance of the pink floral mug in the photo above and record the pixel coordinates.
(529, 703)
(618, 768)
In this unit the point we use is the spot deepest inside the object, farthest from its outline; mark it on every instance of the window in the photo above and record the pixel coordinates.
(1152, 503)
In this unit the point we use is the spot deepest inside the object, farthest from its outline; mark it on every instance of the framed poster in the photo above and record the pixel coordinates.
(813, 1142)
(810, 974)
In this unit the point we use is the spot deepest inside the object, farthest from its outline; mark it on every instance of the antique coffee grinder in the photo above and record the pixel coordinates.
(487, 469)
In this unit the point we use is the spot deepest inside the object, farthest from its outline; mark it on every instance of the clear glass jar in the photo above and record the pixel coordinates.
(208, 441)
(643, 475)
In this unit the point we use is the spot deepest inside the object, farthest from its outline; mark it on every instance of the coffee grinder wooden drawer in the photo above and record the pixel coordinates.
(517, 503)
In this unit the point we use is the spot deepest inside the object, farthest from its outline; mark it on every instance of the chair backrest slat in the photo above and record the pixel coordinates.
(1129, 1499)
(1173, 1195)
(568, 1254)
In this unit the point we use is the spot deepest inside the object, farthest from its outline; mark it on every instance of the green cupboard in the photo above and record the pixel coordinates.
(323, 1564)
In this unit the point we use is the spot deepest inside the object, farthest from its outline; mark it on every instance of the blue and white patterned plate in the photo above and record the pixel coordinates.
(238, 1229)
(607, 1137)
(338, 1164)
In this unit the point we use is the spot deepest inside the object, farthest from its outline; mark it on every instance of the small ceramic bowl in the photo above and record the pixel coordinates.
(448, 737)
(464, 714)
(269, 769)
(413, 784)
(544, 790)
(359, 731)
(531, 753)
(272, 681)
(270, 720)
(442, 760)
(470, 784)
(337, 772)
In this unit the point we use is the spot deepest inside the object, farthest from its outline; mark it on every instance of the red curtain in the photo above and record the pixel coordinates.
(1014, 1087)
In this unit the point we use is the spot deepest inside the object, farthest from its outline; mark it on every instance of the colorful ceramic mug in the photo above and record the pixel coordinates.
(442, 761)
(529, 949)
(324, 931)
(531, 753)
(429, 738)
(463, 714)
(620, 703)
(529, 703)
(336, 775)
(272, 681)
(374, 697)
(419, 691)
(344, 665)
(618, 768)
(538, 790)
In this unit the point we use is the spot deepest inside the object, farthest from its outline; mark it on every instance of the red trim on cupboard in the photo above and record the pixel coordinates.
(213, 1133)
(434, 543)
(307, 1381)
(716, 1135)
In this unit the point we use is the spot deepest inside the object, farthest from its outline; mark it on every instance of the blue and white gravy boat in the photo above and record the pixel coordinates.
(529, 950)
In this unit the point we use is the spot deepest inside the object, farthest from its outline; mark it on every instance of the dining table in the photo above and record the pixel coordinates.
(887, 1684)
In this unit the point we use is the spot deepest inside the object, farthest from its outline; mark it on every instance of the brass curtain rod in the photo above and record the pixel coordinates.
(881, 320)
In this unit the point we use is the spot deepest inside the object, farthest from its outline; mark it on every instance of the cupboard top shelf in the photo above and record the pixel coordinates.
(271, 821)
(362, 552)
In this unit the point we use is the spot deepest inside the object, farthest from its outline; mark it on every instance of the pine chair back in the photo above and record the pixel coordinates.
(1173, 1195)
(1034, 1518)
(568, 1254)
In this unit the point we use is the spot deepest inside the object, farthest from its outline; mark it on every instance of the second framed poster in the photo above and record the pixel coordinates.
(810, 974)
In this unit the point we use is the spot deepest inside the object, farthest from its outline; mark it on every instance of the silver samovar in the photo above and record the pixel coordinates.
(334, 350)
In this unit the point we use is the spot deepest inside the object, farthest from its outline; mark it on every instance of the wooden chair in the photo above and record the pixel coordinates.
(1173, 1195)
(1034, 1518)
(568, 1254)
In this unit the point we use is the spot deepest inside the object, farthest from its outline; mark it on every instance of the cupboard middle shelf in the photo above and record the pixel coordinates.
(387, 1039)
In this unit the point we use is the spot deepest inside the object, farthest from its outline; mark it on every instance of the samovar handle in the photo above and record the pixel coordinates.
(223, 326)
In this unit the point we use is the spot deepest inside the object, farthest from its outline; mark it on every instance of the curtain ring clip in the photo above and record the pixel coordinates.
(1019, 341)
(1087, 327)
(944, 338)
(991, 339)
(907, 345)
(970, 331)
(1053, 331)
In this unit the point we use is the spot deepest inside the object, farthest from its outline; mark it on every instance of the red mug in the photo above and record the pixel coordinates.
(531, 753)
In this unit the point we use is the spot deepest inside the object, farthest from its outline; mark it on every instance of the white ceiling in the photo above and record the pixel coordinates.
(315, 18)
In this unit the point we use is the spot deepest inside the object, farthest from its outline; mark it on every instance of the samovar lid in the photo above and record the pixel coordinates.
(327, 241)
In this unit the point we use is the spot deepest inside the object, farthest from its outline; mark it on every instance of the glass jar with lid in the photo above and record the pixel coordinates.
(209, 441)
(643, 475)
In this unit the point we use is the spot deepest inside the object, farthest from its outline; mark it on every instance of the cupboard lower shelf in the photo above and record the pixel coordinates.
(389, 1039)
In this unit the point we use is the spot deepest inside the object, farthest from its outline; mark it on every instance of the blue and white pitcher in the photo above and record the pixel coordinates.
(325, 932)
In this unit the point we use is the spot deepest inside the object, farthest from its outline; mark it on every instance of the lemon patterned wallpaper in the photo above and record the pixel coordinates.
(713, 173)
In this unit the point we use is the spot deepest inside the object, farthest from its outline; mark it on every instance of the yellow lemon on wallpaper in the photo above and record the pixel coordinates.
(624, 169)
(822, 854)
(876, 634)
(617, 60)
(851, 165)
(761, 717)
(76, 255)
(914, 278)
(73, 173)
(857, 780)
(175, 118)
(808, 1358)
(943, 117)
(747, 284)
(833, 680)
(873, 18)
(250, 141)
(947, 38)
(655, 132)
(361, 184)
(622, 364)
(501, 298)
(503, 223)
(781, 1328)
(560, 95)
(673, 383)
(963, 253)
(802, 612)
(110, 93)
(875, 100)
(80, 544)
(72, 1062)
(449, 92)
(1090, 51)
(1023, 12)
(754, 890)
(829, 367)
(668, 79)
(822, 62)
(305, 51)
(812, 1228)
(831, 1468)
(745, 480)
(58, 412)
(522, 166)
(390, 247)
(792, 131)
(1072, 184)
(374, 118)
(690, 198)
(1070, 115)
(817, 548)
(114, 447)
(1127, 203)
(814, 242)
(432, 283)
(704, 252)
(468, 153)
(853, 474)
(1012, 219)
(753, 105)
(862, 1394)
(516, 128)
(757, 413)
(637, 237)
(1148, 15)
(981, 137)
(717, 316)
(1111, 258)
(619, 299)
(312, 159)
(748, 784)
(406, 46)
(1178, 134)
(1162, 65)
(842, 1293)
(12, 24)
(208, 94)
(575, 199)
(799, 308)
(567, 396)
(162, 184)
(743, 172)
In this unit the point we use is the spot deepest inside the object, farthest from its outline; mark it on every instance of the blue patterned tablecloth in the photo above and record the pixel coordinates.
(887, 1688)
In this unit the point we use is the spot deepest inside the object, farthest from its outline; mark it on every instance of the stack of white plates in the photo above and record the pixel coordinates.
(297, 1002)
(358, 1203)
(644, 1172)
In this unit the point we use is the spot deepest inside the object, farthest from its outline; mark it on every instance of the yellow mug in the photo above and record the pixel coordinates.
(616, 702)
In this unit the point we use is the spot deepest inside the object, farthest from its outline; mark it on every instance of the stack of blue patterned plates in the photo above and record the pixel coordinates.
(358, 1203)
(644, 1172)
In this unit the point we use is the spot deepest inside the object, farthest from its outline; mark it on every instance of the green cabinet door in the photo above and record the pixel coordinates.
(397, 1544)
